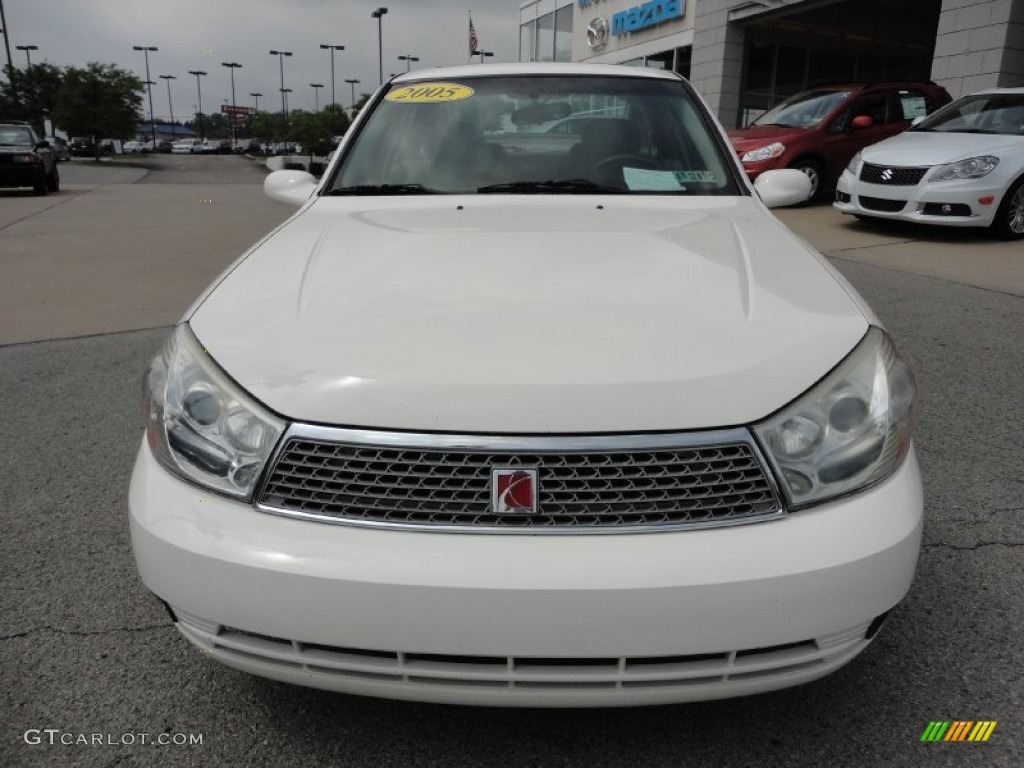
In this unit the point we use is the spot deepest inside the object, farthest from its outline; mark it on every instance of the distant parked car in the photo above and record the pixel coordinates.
(60, 148)
(86, 147)
(187, 147)
(961, 167)
(136, 147)
(819, 130)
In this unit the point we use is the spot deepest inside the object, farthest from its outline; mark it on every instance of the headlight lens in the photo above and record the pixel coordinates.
(854, 164)
(764, 153)
(200, 425)
(850, 431)
(971, 168)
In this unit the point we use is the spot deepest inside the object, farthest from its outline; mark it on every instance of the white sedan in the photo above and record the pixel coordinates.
(963, 166)
(493, 422)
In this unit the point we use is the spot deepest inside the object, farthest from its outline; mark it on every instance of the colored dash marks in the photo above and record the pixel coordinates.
(958, 730)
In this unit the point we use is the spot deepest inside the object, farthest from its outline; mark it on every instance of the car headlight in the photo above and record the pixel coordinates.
(200, 425)
(971, 168)
(848, 432)
(764, 153)
(854, 164)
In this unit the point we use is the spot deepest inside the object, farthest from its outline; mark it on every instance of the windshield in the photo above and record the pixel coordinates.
(805, 110)
(984, 113)
(536, 134)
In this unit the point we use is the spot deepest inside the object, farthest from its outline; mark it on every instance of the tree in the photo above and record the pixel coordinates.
(363, 99)
(101, 101)
(30, 94)
(313, 131)
(336, 119)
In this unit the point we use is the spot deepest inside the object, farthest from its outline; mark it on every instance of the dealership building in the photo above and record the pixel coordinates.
(746, 55)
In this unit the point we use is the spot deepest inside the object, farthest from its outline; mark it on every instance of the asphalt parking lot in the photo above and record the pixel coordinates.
(90, 280)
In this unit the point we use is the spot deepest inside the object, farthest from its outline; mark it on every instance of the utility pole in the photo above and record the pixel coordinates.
(170, 103)
(233, 65)
(199, 90)
(7, 41)
(378, 15)
(332, 48)
(149, 88)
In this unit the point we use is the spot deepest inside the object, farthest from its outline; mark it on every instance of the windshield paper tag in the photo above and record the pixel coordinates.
(429, 93)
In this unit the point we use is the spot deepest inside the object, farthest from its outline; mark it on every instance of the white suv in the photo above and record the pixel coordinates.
(515, 418)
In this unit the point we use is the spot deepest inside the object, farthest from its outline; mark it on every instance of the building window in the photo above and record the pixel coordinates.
(528, 41)
(563, 33)
(546, 37)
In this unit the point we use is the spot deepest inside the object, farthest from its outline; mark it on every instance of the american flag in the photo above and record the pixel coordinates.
(474, 41)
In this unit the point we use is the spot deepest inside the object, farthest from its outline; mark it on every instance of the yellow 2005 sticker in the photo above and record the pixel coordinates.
(429, 93)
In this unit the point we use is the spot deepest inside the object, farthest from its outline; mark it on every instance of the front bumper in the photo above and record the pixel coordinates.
(923, 203)
(575, 620)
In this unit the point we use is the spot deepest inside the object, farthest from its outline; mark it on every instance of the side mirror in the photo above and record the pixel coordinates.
(860, 122)
(782, 187)
(292, 187)
(43, 145)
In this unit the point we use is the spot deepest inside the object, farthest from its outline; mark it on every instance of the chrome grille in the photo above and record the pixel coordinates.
(897, 177)
(621, 486)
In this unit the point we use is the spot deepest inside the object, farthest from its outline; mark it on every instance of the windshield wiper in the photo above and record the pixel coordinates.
(567, 186)
(384, 189)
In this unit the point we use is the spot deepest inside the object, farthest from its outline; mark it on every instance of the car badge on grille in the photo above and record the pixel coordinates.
(514, 491)
(887, 174)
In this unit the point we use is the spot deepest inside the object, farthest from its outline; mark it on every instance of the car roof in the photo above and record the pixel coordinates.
(534, 68)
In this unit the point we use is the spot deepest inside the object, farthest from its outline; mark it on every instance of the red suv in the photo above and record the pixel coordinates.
(819, 130)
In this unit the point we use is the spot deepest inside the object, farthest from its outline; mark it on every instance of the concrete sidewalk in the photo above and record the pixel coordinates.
(967, 256)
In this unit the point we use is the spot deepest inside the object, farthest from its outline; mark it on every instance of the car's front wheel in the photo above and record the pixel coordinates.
(1009, 221)
(815, 173)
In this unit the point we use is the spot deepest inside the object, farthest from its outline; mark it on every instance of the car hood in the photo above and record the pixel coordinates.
(755, 136)
(921, 148)
(510, 314)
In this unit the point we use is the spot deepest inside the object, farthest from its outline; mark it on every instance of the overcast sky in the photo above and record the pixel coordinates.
(201, 34)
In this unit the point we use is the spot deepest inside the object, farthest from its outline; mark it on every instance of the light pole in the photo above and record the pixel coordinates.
(280, 57)
(332, 48)
(28, 59)
(353, 84)
(284, 100)
(481, 54)
(378, 15)
(232, 65)
(257, 97)
(408, 61)
(199, 91)
(149, 87)
(316, 93)
(170, 103)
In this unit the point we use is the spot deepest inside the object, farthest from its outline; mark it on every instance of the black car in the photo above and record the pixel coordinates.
(25, 161)
(85, 147)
